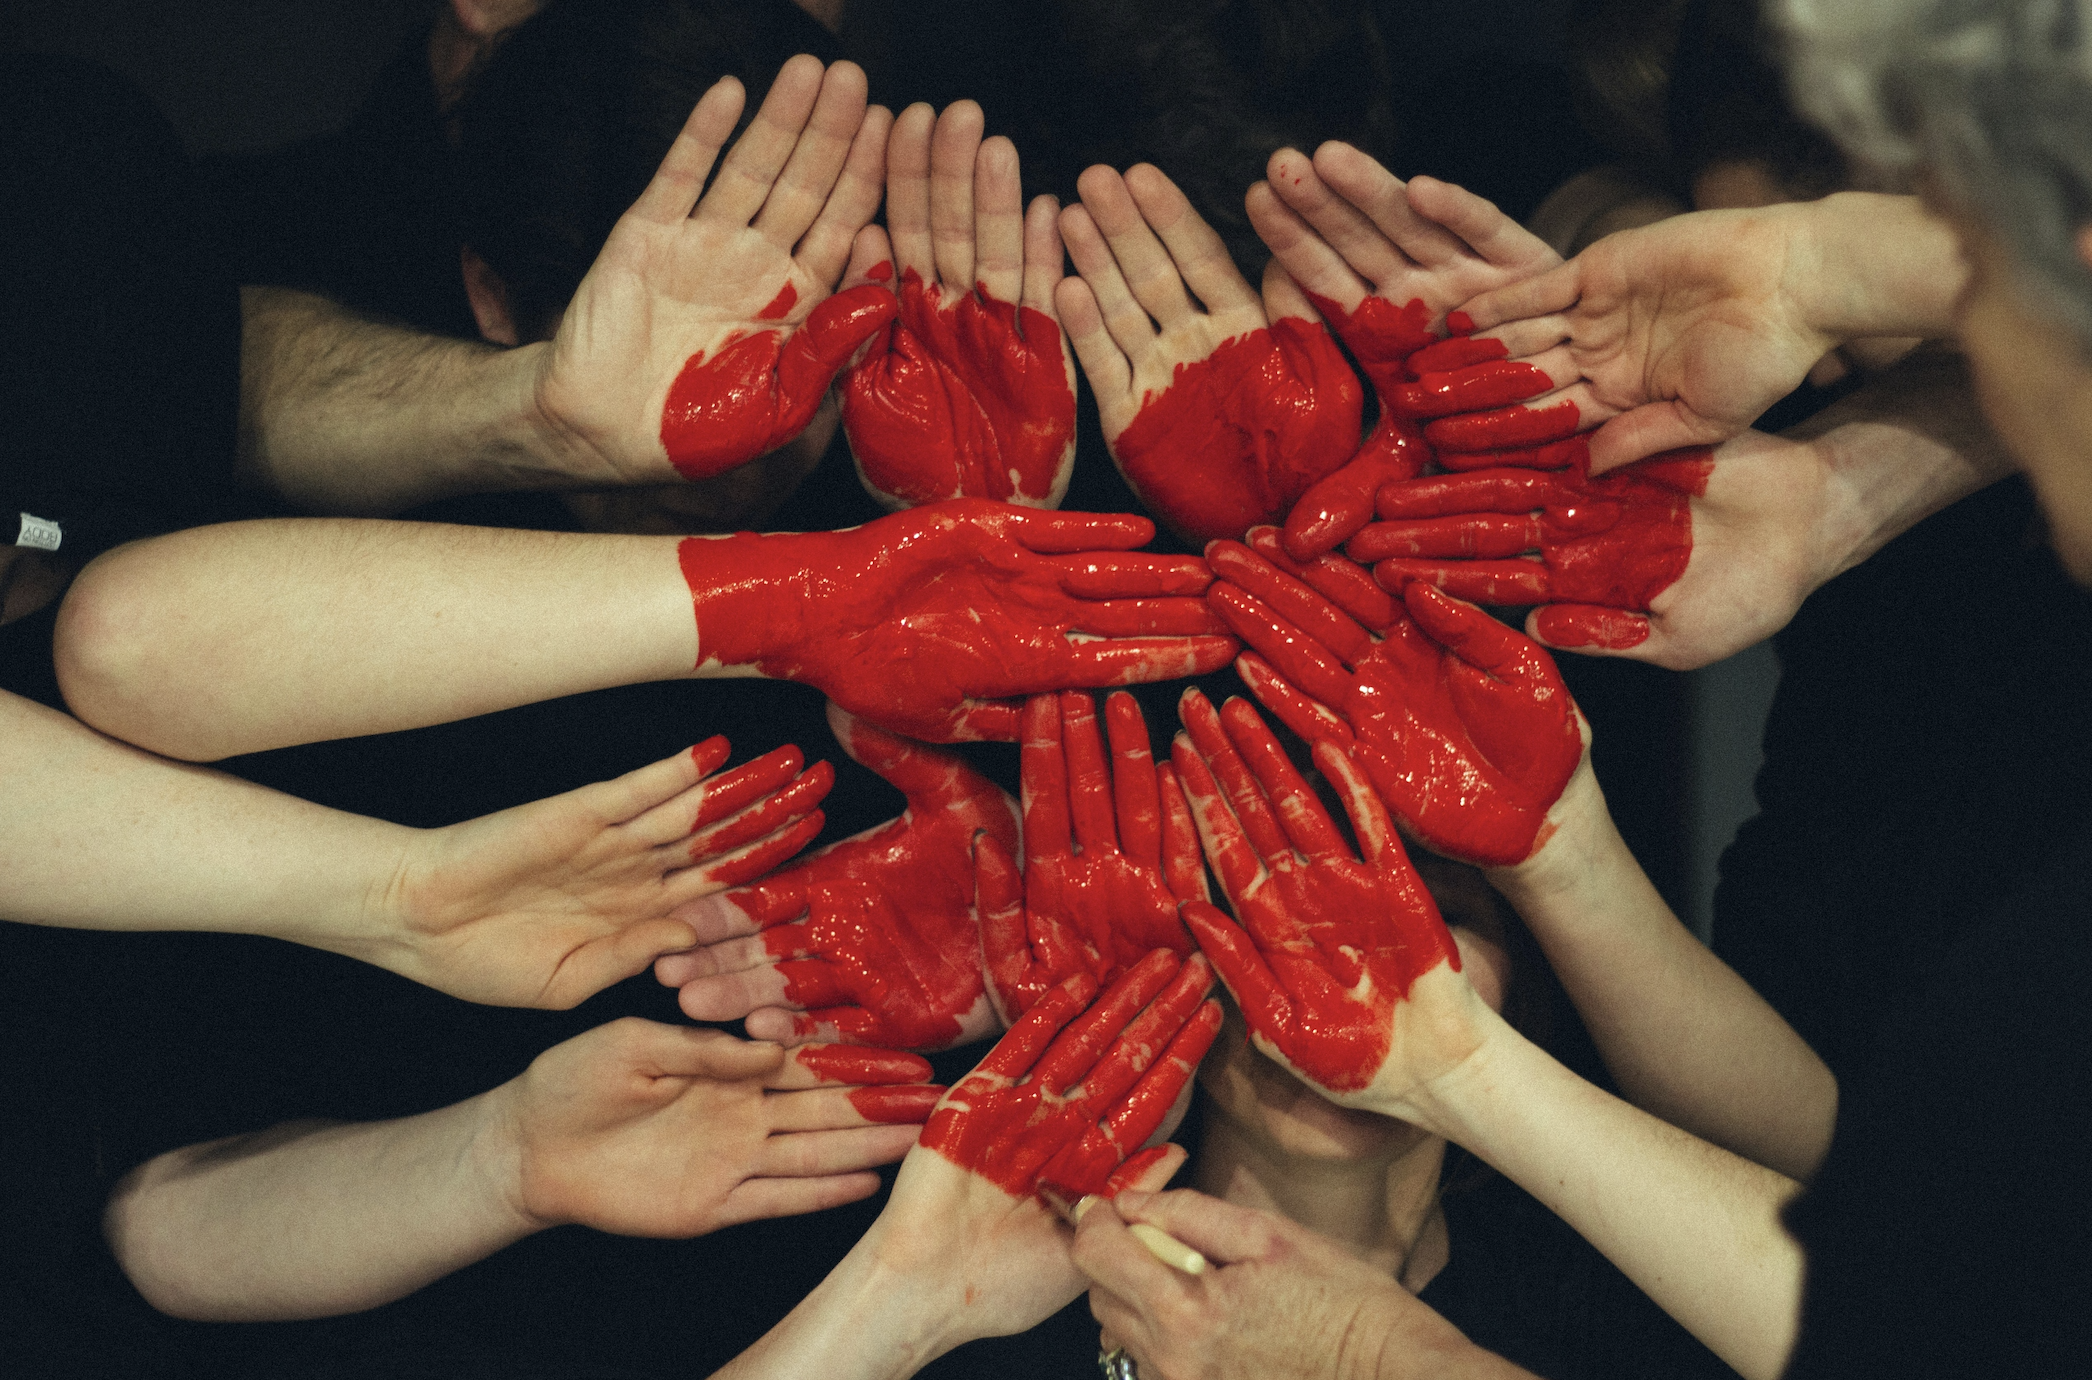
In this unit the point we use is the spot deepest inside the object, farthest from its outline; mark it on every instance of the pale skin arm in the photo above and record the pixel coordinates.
(634, 1127)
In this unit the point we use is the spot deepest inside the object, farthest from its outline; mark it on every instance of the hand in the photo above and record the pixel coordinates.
(1382, 262)
(872, 939)
(660, 1130)
(1108, 854)
(717, 320)
(1219, 417)
(549, 903)
(972, 391)
(928, 622)
(1329, 948)
(1464, 726)
(1281, 1300)
(1608, 548)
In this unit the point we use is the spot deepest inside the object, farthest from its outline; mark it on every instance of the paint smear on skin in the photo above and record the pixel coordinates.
(1612, 629)
(1237, 438)
(858, 1064)
(971, 399)
(881, 272)
(787, 298)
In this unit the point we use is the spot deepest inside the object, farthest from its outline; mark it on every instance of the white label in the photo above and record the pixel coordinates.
(38, 533)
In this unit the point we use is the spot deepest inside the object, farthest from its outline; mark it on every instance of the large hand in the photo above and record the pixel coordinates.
(704, 334)
(549, 903)
(1218, 417)
(928, 622)
(1382, 261)
(1464, 725)
(1280, 1300)
(1608, 548)
(1108, 854)
(660, 1130)
(872, 939)
(972, 393)
(1329, 948)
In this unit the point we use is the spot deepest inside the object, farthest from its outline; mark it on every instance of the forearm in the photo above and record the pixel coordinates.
(237, 638)
(1696, 1228)
(340, 414)
(1875, 265)
(1685, 1038)
(309, 1221)
(857, 1324)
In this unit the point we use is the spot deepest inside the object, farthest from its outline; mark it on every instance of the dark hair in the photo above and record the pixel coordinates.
(1728, 104)
(566, 124)
(1621, 54)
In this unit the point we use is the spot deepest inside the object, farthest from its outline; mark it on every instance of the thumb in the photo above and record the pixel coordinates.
(830, 336)
(1220, 1231)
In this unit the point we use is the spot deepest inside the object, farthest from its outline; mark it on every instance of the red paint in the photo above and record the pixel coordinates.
(1463, 725)
(792, 802)
(758, 390)
(1454, 352)
(1570, 625)
(1237, 438)
(897, 1106)
(1096, 893)
(932, 620)
(1327, 944)
(787, 298)
(1076, 1086)
(745, 784)
(1459, 323)
(710, 755)
(1554, 455)
(875, 936)
(1479, 386)
(1507, 428)
(873, 1074)
(1617, 541)
(974, 399)
(880, 272)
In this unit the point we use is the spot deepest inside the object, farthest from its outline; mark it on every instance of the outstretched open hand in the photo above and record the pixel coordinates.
(548, 903)
(1463, 725)
(871, 940)
(930, 622)
(1108, 854)
(704, 334)
(1327, 946)
(1383, 262)
(971, 392)
(1218, 415)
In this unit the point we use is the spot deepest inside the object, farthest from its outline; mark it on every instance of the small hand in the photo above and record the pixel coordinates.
(1382, 261)
(1328, 948)
(659, 1130)
(704, 334)
(549, 903)
(872, 939)
(1464, 725)
(930, 622)
(1108, 854)
(1218, 416)
(972, 392)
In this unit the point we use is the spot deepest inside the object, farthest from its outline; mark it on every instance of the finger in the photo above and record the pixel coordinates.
(1148, 1171)
(1306, 823)
(1128, 1284)
(1136, 793)
(1462, 538)
(757, 858)
(816, 162)
(1549, 418)
(1650, 430)
(765, 816)
(1221, 1231)
(1234, 861)
(828, 245)
(1480, 491)
(1283, 298)
(732, 996)
(1150, 277)
(954, 144)
(609, 959)
(1051, 533)
(1245, 796)
(759, 1200)
(927, 776)
(1477, 222)
(1120, 576)
(1201, 257)
(1308, 258)
(655, 802)
(1478, 582)
(1125, 321)
(908, 191)
(1142, 1110)
(1089, 779)
(871, 258)
(1370, 822)
(1139, 660)
(811, 1066)
(1140, 1050)
(1468, 633)
(998, 221)
(1359, 207)
(1543, 294)
(753, 164)
(1183, 866)
(1474, 388)
(1146, 618)
(1311, 719)
(829, 339)
(681, 177)
(1345, 583)
(1023, 1044)
(681, 1051)
(1588, 628)
(1044, 774)
(984, 721)
(1103, 363)
(837, 1109)
(1300, 658)
(1017, 975)
(1076, 1050)
(1290, 600)
(746, 910)
(744, 785)
(1243, 968)
(1043, 256)
(817, 1154)
(1572, 452)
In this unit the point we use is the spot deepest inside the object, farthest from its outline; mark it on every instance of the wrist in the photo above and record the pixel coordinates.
(755, 597)
(495, 1163)
(1577, 840)
(1874, 265)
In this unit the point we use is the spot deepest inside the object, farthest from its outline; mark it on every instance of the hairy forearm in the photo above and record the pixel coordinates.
(1875, 265)
(1685, 1038)
(340, 414)
(310, 1220)
(1696, 1228)
(237, 638)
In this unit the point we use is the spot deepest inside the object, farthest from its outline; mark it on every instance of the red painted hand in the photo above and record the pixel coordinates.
(1108, 854)
(1078, 1084)
(1218, 415)
(1606, 547)
(872, 939)
(928, 621)
(1463, 724)
(1328, 946)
